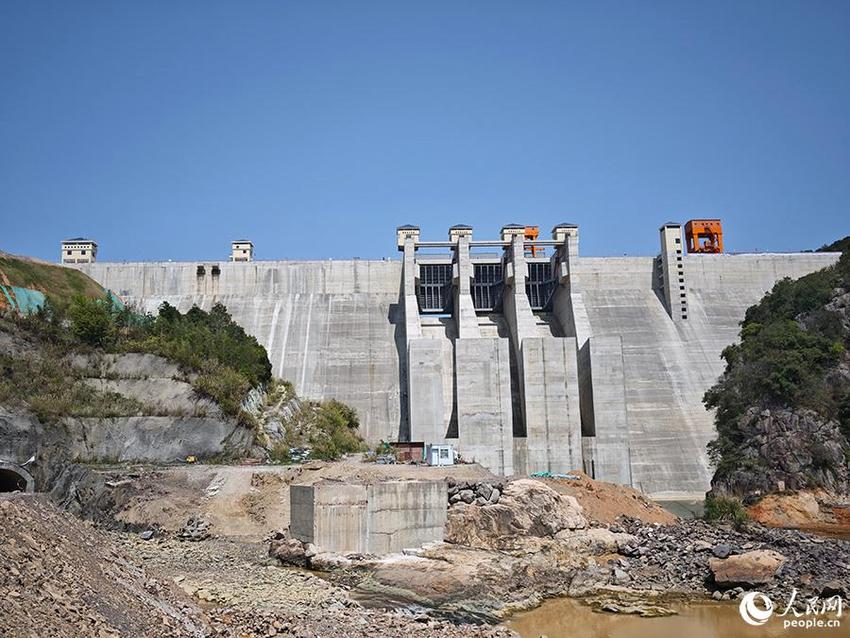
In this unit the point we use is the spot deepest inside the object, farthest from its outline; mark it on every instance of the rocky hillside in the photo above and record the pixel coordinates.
(60, 577)
(100, 407)
(84, 378)
(95, 382)
(783, 403)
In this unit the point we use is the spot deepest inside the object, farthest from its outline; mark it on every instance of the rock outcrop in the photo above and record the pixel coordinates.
(172, 421)
(526, 508)
(787, 449)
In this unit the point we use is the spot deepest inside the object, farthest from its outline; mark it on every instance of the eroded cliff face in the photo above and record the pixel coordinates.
(164, 420)
(788, 449)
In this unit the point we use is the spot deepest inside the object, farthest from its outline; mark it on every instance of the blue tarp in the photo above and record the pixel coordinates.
(24, 300)
(571, 477)
(114, 299)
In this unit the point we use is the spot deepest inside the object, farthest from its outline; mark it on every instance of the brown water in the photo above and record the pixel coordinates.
(567, 618)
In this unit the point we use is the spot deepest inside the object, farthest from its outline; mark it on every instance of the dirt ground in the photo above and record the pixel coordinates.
(604, 502)
(247, 502)
(60, 576)
(811, 510)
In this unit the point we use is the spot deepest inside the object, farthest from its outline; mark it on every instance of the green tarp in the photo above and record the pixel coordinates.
(24, 300)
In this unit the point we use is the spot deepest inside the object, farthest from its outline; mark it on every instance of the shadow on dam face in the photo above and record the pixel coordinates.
(14, 478)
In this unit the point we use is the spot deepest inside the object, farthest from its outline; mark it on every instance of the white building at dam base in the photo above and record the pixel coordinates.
(524, 360)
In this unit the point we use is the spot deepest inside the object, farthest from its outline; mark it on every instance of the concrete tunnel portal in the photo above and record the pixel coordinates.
(14, 478)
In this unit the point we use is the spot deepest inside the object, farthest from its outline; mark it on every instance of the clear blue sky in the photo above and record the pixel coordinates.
(165, 129)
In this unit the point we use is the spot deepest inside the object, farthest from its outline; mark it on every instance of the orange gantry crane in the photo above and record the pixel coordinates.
(531, 234)
(704, 236)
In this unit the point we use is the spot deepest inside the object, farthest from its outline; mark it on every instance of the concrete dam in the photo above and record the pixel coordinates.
(523, 354)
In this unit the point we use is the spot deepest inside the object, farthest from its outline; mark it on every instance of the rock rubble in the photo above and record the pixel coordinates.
(481, 493)
(678, 558)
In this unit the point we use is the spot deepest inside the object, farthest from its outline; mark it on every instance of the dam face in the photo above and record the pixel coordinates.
(525, 363)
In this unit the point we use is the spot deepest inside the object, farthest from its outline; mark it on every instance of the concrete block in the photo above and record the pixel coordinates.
(403, 514)
(378, 518)
(330, 515)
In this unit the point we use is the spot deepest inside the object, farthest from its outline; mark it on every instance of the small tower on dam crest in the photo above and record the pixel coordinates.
(405, 232)
(78, 250)
(242, 250)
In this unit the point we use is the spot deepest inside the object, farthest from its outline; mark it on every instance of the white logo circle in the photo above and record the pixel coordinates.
(752, 613)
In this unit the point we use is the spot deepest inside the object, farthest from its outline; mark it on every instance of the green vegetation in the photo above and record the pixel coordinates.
(335, 432)
(92, 321)
(790, 343)
(220, 360)
(227, 362)
(53, 389)
(196, 338)
(60, 283)
(722, 509)
(838, 246)
(328, 429)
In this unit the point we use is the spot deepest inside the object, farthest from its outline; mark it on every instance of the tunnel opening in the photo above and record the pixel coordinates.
(15, 479)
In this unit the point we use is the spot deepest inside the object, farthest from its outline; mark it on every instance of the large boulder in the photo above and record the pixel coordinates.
(526, 508)
(289, 551)
(751, 568)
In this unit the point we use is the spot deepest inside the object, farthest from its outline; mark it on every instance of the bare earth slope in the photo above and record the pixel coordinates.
(61, 577)
(58, 577)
